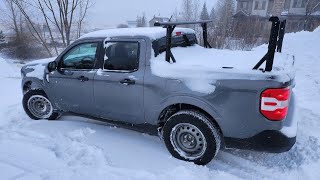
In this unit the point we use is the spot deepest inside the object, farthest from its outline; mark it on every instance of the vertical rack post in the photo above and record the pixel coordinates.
(281, 35)
(205, 35)
(273, 42)
(169, 55)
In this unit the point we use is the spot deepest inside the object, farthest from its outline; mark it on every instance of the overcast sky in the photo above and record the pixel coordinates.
(113, 12)
(106, 13)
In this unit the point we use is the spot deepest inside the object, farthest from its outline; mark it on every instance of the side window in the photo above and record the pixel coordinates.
(122, 56)
(82, 56)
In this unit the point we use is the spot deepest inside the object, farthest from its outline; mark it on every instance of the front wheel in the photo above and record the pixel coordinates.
(191, 136)
(37, 106)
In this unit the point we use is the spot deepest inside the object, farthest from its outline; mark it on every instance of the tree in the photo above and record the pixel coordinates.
(204, 13)
(187, 13)
(12, 18)
(224, 23)
(311, 6)
(122, 26)
(190, 11)
(2, 37)
(142, 21)
(31, 25)
(64, 15)
(213, 15)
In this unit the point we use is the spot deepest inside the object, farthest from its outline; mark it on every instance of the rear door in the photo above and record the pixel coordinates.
(71, 85)
(118, 85)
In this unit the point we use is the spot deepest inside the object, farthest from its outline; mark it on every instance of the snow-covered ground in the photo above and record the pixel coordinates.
(78, 148)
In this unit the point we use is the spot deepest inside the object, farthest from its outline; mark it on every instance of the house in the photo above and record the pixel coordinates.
(132, 24)
(295, 11)
(157, 19)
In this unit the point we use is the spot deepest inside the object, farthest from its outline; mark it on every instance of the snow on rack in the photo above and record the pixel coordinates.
(151, 32)
(199, 68)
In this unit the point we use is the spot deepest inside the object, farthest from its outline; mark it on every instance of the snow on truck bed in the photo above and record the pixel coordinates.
(199, 68)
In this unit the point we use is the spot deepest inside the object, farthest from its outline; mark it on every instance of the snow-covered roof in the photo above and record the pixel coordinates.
(151, 32)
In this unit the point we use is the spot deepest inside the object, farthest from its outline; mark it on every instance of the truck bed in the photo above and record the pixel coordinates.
(199, 68)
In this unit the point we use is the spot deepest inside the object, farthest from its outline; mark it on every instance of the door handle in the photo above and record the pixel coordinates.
(83, 78)
(128, 82)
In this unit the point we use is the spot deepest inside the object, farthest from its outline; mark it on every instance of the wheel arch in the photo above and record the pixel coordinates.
(188, 103)
(31, 84)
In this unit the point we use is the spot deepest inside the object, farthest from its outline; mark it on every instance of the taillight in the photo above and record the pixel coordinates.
(178, 33)
(275, 103)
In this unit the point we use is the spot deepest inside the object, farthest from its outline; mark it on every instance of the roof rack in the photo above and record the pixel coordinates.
(275, 43)
(170, 26)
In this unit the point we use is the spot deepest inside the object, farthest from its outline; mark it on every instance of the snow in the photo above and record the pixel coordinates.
(7, 70)
(78, 148)
(151, 32)
(199, 68)
(36, 71)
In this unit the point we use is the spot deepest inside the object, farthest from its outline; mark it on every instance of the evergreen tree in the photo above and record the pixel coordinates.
(204, 13)
(1, 36)
(213, 14)
(142, 21)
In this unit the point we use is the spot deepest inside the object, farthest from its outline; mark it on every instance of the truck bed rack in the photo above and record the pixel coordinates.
(275, 40)
(170, 26)
(275, 43)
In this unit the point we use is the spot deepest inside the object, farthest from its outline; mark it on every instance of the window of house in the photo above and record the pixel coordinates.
(243, 5)
(121, 56)
(260, 5)
(299, 3)
(256, 5)
(264, 4)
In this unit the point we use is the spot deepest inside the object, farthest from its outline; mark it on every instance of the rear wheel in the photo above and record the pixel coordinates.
(191, 136)
(37, 106)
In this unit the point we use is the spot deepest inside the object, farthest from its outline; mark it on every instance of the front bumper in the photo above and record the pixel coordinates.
(267, 141)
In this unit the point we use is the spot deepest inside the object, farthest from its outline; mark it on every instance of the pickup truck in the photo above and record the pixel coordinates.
(120, 76)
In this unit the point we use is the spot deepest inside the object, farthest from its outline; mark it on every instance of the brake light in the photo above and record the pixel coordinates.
(275, 103)
(178, 33)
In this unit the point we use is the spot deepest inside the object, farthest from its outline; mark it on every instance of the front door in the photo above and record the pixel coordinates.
(71, 85)
(118, 86)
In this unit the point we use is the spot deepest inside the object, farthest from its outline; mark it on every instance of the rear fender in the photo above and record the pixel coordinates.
(190, 100)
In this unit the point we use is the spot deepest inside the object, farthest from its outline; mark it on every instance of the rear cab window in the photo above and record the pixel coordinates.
(179, 40)
(121, 56)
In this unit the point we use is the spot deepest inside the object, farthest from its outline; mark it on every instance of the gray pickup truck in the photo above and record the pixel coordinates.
(107, 75)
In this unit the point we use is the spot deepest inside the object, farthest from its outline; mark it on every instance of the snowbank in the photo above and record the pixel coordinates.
(199, 68)
(8, 69)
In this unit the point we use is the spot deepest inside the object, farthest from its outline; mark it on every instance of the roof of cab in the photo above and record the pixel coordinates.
(151, 32)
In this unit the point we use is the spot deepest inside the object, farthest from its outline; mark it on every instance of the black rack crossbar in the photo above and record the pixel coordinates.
(170, 26)
(275, 43)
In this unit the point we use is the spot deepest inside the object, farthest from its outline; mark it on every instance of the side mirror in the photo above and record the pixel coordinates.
(52, 66)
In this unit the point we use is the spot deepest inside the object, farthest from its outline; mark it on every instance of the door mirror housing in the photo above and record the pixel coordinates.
(52, 66)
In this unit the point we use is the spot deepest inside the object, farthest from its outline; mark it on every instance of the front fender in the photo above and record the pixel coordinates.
(32, 83)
